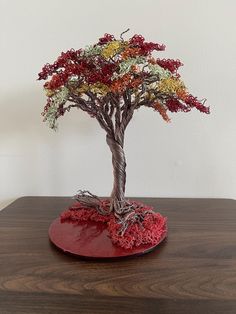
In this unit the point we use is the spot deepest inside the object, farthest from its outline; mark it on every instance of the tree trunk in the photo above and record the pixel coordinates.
(119, 171)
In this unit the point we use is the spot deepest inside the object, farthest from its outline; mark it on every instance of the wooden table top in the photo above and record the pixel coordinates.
(192, 272)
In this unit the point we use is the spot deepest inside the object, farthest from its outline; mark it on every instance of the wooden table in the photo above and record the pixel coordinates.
(193, 272)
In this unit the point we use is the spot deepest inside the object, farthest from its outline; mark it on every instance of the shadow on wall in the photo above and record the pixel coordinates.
(29, 150)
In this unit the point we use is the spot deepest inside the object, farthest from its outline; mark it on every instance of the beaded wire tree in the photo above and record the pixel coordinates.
(110, 80)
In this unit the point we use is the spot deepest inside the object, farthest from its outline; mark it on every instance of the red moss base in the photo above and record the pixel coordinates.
(151, 231)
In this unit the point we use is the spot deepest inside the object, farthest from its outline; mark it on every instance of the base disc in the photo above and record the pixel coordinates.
(90, 240)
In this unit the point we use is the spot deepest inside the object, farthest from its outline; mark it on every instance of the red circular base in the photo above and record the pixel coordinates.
(90, 239)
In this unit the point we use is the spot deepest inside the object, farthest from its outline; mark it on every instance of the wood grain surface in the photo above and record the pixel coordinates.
(193, 271)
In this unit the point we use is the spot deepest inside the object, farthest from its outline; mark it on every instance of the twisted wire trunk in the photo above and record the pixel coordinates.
(119, 172)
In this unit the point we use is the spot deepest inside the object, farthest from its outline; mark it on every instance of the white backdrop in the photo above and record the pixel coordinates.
(194, 156)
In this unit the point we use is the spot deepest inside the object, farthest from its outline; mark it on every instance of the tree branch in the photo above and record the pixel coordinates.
(83, 104)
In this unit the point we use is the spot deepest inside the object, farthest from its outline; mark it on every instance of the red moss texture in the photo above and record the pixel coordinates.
(151, 231)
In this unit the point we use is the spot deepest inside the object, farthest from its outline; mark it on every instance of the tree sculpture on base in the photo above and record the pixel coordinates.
(110, 80)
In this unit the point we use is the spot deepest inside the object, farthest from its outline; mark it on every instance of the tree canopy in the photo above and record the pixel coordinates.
(112, 78)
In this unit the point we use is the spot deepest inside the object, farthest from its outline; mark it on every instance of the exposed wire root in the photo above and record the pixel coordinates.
(126, 216)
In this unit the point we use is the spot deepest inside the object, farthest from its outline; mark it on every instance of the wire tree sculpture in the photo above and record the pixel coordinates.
(110, 80)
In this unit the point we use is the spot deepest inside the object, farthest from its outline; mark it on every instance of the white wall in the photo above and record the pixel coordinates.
(194, 156)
